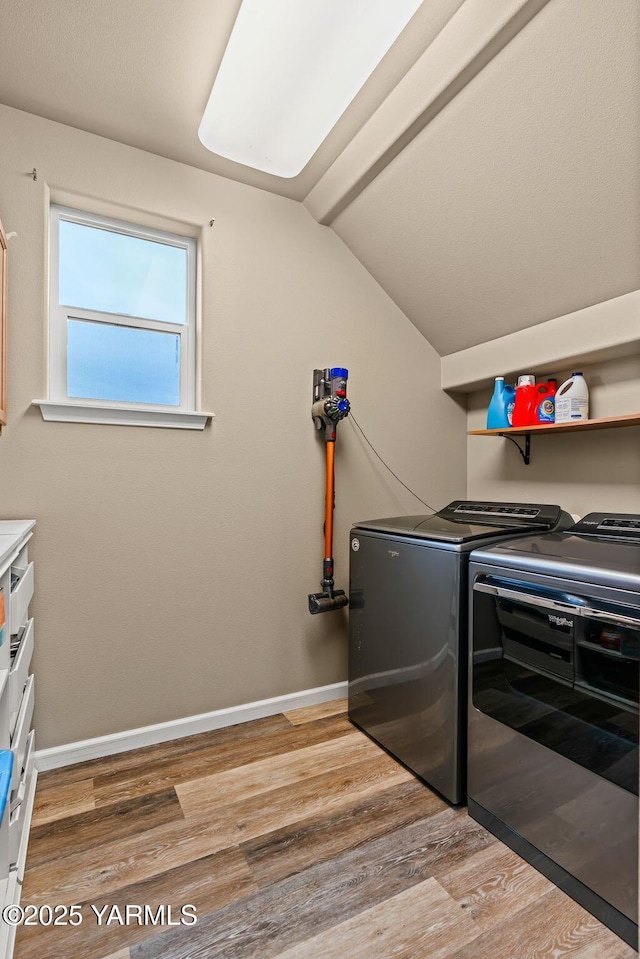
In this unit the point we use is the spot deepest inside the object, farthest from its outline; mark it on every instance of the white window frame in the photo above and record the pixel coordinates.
(60, 406)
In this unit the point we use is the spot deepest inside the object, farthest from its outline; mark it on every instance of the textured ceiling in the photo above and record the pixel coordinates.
(141, 71)
(520, 201)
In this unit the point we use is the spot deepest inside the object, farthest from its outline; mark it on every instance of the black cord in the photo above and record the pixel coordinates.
(355, 422)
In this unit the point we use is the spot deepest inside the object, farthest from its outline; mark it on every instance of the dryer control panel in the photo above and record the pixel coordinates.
(618, 525)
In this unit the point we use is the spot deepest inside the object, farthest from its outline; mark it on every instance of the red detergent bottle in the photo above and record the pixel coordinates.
(525, 408)
(545, 408)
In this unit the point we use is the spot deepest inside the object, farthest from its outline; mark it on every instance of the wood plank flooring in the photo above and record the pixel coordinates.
(295, 837)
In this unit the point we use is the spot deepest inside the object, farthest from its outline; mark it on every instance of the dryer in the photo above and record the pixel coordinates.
(553, 707)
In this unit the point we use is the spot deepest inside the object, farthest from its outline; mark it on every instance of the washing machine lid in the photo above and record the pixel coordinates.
(464, 521)
(602, 548)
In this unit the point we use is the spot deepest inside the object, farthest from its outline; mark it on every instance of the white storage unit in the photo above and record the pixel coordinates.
(17, 700)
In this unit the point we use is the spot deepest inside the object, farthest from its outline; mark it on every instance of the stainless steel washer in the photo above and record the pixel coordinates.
(408, 629)
(553, 707)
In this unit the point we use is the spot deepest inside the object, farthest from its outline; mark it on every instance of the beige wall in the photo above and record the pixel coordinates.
(173, 566)
(583, 472)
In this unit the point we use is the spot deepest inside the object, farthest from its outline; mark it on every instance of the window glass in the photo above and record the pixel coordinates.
(109, 362)
(111, 272)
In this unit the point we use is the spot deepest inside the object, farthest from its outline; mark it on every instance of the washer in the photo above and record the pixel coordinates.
(553, 707)
(408, 629)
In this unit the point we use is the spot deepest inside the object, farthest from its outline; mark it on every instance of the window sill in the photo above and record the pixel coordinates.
(111, 414)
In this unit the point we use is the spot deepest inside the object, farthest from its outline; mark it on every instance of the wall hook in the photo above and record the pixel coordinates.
(34, 174)
(211, 222)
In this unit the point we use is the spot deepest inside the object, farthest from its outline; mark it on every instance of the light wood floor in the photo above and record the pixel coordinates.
(295, 837)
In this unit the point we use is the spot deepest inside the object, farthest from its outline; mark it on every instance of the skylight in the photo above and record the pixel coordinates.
(290, 70)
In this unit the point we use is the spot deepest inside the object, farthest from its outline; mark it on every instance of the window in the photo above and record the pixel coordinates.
(122, 321)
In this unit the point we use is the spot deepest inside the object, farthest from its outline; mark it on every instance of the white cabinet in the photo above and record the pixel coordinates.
(21, 591)
(20, 666)
(17, 700)
(20, 733)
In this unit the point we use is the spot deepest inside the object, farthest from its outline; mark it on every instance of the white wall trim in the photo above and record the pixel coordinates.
(594, 334)
(83, 750)
(79, 411)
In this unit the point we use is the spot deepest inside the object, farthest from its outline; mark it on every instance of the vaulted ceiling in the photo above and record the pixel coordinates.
(520, 201)
(141, 71)
(487, 175)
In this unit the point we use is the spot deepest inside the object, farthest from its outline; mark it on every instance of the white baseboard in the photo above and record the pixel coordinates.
(79, 752)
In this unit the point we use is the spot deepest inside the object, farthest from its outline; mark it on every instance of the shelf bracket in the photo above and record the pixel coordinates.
(524, 453)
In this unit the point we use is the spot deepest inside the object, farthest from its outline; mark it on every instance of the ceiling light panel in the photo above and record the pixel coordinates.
(290, 70)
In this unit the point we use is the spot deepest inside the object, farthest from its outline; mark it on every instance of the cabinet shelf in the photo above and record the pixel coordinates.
(603, 423)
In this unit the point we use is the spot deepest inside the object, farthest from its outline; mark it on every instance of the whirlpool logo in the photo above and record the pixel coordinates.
(560, 620)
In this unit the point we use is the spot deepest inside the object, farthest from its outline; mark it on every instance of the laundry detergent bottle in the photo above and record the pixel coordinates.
(524, 410)
(572, 400)
(501, 406)
(545, 411)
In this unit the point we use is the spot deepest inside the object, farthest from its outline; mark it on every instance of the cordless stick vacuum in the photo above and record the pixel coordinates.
(330, 405)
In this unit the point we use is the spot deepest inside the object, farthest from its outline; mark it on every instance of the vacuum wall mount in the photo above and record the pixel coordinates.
(330, 405)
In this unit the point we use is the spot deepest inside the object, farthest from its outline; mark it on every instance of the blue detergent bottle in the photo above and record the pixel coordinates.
(500, 409)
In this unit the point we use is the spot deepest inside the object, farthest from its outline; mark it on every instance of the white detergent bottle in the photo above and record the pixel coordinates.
(572, 400)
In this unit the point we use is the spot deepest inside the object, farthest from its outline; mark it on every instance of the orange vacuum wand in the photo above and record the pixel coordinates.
(330, 405)
(329, 501)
